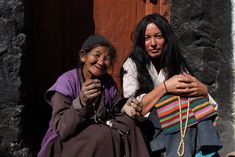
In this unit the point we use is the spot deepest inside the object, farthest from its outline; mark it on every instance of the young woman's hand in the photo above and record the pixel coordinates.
(195, 87)
(186, 85)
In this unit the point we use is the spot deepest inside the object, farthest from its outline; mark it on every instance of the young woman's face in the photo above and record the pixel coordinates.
(154, 41)
(96, 62)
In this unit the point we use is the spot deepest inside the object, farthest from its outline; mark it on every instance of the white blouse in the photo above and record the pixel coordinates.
(130, 81)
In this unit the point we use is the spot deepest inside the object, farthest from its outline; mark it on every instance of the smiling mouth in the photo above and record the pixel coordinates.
(155, 50)
(100, 68)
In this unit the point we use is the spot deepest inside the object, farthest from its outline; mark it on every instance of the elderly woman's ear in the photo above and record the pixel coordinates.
(82, 56)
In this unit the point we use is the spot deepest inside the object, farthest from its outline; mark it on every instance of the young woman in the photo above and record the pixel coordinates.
(87, 120)
(156, 68)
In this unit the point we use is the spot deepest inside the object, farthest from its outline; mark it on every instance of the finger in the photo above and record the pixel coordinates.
(133, 105)
(91, 81)
(93, 96)
(138, 109)
(88, 92)
(137, 114)
(185, 79)
(134, 100)
(183, 85)
(88, 82)
(184, 91)
(186, 75)
(193, 94)
(129, 112)
(92, 90)
(94, 86)
(134, 114)
(129, 101)
(87, 86)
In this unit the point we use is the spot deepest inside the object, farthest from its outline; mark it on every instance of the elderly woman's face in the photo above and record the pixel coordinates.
(97, 61)
(154, 41)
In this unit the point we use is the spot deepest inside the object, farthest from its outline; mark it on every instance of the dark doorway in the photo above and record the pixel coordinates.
(56, 30)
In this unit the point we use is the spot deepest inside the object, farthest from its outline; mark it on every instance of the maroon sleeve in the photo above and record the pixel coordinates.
(66, 118)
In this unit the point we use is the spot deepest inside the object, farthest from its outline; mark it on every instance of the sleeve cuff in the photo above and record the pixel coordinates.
(77, 104)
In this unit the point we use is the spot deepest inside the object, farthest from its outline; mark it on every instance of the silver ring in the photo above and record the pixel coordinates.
(139, 108)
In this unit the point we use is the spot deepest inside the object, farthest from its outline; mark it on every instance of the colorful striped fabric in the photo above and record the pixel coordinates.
(166, 111)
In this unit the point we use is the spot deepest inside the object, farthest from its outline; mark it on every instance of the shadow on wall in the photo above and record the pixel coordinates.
(3, 153)
(56, 30)
(204, 30)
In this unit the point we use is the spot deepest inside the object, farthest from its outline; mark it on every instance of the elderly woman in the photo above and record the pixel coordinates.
(88, 118)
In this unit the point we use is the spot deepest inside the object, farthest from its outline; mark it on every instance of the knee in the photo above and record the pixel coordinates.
(99, 133)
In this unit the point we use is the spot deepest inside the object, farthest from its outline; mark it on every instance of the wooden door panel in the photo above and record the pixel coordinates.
(117, 19)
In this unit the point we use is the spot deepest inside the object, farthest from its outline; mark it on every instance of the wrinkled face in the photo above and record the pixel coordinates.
(154, 41)
(96, 62)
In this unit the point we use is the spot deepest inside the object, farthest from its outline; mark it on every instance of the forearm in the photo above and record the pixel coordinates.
(150, 99)
(67, 122)
(66, 118)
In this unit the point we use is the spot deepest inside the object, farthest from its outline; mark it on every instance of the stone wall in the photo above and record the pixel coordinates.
(12, 41)
(204, 31)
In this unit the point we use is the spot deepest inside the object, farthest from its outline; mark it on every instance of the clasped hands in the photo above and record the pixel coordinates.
(90, 90)
(186, 85)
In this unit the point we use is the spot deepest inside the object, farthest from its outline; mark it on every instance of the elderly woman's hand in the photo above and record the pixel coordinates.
(90, 91)
(132, 108)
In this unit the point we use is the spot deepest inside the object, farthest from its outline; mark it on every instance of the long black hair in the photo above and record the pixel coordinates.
(171, 59)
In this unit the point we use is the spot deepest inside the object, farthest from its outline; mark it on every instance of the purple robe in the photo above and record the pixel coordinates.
(88, 140)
